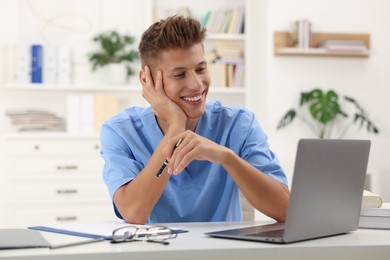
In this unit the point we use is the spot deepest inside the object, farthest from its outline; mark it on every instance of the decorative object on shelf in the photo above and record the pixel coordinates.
(324, 112)
(301, 34)
(115, 49)
(324, 45)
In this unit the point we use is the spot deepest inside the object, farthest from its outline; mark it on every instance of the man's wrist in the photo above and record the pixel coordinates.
(227, 157)
(174, 129)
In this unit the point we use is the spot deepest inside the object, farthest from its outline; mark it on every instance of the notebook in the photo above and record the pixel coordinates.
(326, 193)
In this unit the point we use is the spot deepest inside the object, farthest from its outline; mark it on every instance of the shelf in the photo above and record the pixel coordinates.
(319, 52)
(103, 88)
(48, 136)
(283, 46)
(226, 36)
(73, 88)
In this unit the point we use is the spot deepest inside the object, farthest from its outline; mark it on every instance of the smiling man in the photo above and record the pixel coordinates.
(214, 151)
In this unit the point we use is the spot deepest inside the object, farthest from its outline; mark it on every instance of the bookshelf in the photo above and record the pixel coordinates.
(225, 41)
(283, 46)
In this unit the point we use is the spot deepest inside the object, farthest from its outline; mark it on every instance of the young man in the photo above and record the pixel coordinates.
(213, 151)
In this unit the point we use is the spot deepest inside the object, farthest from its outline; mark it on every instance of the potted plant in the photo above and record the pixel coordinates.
(324, 111)
(114, 48)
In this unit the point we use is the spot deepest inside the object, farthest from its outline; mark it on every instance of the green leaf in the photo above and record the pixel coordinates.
(324, 107)
(113, 48)
(287, 118)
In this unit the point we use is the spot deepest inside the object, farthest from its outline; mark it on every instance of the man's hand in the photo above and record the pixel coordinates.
(192, 147)
(163, 107)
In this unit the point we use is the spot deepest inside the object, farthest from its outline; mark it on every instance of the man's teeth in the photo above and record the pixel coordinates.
(192, 99)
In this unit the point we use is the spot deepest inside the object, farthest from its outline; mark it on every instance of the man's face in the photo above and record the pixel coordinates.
(186, 78)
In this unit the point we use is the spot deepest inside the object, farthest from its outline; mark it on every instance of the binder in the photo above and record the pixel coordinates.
(36, 63)
(64, 65)
(23, 64)
(50, 64)
(73, 114)
(87, 114)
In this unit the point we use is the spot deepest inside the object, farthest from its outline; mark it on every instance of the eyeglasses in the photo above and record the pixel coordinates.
(155, 234)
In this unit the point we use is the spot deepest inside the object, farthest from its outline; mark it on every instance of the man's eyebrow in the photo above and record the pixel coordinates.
(178, 68)
(184, 68)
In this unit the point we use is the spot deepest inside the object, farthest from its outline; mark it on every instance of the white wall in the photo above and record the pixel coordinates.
(278, 79)
(72, 23)
(364, 79)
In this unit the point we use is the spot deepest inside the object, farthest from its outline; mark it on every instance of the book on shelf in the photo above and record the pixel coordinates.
(226, 74)
(105, 106)
(344, 45)
(228, 52)
(371, 200)
(33, 120)
(224, 20)
(377, 218)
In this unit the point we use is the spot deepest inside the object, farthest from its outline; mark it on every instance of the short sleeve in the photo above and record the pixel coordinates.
(257, 152)
(120, 167)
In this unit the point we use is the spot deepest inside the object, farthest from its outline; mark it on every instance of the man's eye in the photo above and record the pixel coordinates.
(179, 75)
(203, 69)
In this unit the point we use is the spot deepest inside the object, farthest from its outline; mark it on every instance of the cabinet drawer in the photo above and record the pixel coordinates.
(54, 166)
(47, 192)
(70, 147)
(38, 215)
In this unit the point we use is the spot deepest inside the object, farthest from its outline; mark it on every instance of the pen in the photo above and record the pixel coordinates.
(162, 169)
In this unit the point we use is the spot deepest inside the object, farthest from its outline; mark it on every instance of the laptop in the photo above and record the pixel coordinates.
(326, 193)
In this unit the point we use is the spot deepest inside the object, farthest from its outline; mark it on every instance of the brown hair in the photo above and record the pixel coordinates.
(175, 32)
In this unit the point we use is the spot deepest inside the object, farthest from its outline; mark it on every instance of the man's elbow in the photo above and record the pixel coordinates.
(134, 218)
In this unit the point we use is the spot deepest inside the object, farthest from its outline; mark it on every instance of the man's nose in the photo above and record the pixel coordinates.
(195, 81)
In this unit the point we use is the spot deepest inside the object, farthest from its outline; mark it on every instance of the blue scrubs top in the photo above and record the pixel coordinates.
(203, 191)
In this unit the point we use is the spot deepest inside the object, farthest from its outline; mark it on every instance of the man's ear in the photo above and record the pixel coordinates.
(142, 76)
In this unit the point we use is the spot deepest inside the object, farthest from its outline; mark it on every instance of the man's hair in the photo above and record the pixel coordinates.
(175, 32)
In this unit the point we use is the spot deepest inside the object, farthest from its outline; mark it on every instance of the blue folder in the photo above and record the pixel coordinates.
(69, 232)
(83, 234)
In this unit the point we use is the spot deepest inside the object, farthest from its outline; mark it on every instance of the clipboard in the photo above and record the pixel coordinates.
(96, 230)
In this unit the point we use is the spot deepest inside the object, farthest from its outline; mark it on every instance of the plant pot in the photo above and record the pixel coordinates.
(117, 74)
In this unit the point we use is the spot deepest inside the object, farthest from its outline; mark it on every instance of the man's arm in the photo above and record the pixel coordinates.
(136, 199)
(264, 193)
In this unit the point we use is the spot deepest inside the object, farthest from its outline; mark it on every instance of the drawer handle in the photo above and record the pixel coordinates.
(66, 167)
(36, 147)
(67, 191)
(67, 218)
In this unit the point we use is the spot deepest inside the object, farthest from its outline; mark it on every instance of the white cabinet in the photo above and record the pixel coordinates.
(49, 179)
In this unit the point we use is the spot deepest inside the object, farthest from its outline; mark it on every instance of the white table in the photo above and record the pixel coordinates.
(360, 244)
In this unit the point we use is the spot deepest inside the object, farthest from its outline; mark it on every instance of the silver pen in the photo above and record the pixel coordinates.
(162, 169)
